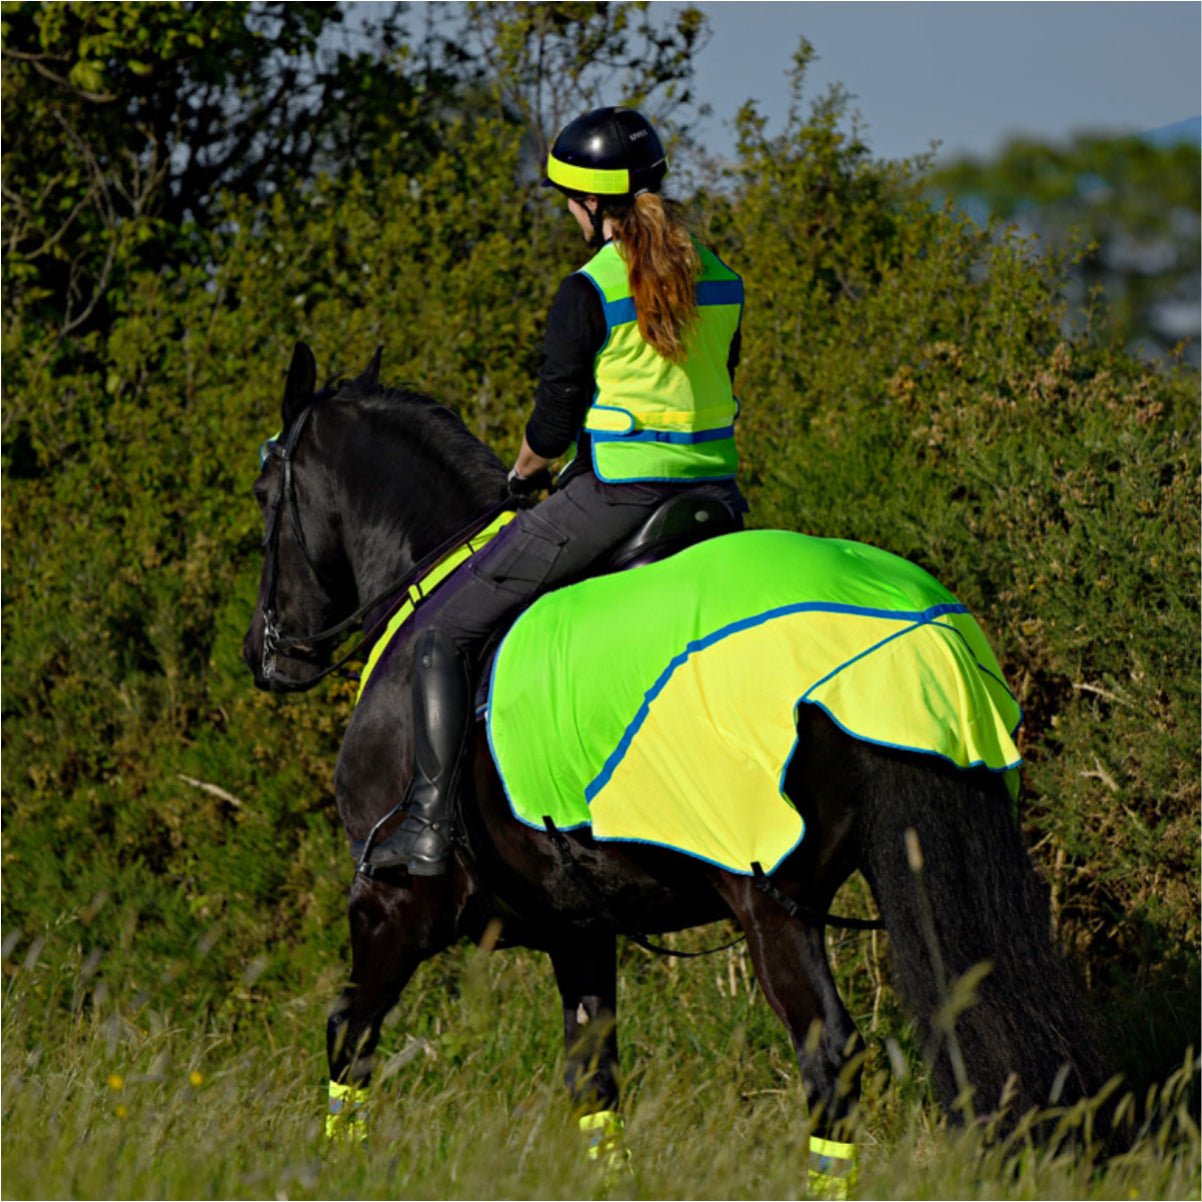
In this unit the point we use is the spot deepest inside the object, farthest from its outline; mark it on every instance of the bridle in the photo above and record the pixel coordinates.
(274, 641)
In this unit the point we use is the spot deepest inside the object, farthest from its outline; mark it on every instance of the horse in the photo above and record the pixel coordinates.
(365, 482)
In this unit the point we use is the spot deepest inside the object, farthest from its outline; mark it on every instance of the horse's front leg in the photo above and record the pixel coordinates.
(394, 928)
(586, 973)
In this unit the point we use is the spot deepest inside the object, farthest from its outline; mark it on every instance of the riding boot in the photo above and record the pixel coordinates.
(441, 700)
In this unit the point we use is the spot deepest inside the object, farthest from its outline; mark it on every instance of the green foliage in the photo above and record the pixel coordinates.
(173, 868)
(547, 63)
(138, 119)
(1130, 206)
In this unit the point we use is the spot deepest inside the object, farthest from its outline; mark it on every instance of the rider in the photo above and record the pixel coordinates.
(638, 366)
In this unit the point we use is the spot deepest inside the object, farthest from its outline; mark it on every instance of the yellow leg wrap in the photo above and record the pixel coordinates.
(604, 1131)
(832, 1168)
(346, 1118)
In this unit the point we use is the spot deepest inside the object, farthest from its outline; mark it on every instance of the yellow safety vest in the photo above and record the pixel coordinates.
(652, 418)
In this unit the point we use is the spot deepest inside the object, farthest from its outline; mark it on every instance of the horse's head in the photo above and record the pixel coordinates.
(307, 584)
(360, 483)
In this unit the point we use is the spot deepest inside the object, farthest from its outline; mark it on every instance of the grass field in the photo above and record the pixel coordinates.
(113, 1097)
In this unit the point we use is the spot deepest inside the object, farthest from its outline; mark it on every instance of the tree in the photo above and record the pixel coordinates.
(544, 64)
(135, 121)
(1129, 206)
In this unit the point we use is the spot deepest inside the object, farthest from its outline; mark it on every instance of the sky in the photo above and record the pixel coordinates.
(967, 75)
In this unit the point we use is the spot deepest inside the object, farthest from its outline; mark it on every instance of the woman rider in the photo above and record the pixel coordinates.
(638, 365)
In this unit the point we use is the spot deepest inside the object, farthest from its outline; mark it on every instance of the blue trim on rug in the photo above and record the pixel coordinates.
(947, 759)
(918, 617)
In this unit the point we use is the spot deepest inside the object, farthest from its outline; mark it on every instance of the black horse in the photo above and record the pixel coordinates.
(363, 483)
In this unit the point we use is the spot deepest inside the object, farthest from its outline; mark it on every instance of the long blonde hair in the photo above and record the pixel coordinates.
(662, 265)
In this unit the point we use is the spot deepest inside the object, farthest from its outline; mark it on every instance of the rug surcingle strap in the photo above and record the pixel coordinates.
(804, 913)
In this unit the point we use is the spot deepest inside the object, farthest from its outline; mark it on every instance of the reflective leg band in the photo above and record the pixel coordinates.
(832, 1167)
(346, 1115)
(604, 1130)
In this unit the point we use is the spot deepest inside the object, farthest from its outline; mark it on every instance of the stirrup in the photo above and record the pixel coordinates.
(437, 831)
(400, 849)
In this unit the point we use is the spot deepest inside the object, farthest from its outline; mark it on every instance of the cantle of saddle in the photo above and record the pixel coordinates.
(678, 523)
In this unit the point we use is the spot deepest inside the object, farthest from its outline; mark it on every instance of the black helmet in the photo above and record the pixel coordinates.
(608, 152)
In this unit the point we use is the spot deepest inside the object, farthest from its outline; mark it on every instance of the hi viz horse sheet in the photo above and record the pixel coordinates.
(659, 705)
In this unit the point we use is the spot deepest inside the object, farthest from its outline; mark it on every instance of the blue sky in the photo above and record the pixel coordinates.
(965, 74)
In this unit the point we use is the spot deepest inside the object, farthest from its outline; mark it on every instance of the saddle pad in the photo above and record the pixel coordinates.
(660, 705)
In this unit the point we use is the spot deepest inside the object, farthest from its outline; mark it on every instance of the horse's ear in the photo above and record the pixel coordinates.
(370, 376)
(302, 383)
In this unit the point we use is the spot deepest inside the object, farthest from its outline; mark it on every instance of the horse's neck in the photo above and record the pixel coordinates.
(426, 505)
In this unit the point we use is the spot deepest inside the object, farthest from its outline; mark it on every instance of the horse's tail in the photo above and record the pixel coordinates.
(957, 890)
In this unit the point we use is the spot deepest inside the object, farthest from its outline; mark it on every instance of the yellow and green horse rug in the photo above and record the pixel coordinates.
(660, 705)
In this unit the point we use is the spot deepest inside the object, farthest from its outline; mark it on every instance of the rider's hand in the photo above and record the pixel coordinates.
(522, 488)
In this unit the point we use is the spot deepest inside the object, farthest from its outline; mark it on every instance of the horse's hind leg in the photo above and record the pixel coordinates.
(586, 973)
(393, 930)
(789, 957)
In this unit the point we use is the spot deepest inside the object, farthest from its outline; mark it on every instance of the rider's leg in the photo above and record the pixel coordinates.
(454, 626)
(441, 704)
(542, 547)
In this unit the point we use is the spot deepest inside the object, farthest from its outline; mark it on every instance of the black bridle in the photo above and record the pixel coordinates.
(285, 499)
(274, 641)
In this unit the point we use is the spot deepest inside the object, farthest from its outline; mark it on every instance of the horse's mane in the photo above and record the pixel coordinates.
(423, 422)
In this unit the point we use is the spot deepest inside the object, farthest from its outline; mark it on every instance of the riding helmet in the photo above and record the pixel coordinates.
(608, 152)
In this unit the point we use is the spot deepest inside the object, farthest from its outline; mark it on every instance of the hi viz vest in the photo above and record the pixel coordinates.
(651, 418)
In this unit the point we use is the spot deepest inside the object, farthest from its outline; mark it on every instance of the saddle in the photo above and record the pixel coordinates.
(677, 523)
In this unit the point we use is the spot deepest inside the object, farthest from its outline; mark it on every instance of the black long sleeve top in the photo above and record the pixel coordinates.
(566, 384)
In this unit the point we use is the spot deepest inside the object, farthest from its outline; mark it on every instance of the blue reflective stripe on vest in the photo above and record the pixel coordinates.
(720, 292)
(682, 437)
(709, 292)
(619, 312)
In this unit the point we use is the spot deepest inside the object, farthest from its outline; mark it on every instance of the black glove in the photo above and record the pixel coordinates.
(522, 488)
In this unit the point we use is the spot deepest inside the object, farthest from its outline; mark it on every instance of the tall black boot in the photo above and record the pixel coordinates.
(441, 702)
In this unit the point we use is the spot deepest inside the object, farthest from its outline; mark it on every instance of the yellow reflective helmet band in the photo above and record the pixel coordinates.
(595, 181)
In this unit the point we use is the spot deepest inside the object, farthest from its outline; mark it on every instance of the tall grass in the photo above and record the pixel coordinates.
(116, 1098)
